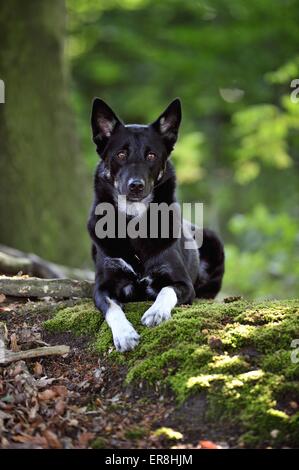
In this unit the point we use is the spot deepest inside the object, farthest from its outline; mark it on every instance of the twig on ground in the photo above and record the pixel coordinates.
(7, 356)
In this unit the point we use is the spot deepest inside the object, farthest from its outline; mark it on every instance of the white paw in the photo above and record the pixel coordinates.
(154, 316)
(161, 309)
(125, 339)
(124, 335)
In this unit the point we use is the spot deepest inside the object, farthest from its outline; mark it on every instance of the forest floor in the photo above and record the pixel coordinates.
(218, 375)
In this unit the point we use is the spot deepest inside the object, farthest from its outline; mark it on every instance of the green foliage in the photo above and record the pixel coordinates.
(238, 354)
(263, 262)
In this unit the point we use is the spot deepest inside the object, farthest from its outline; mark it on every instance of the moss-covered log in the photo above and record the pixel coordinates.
(238, 354)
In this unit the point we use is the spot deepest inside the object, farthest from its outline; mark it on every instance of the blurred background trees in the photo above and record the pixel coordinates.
(42, 172)
(232, 64)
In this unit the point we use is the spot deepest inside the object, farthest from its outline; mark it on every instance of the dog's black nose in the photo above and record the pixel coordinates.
(136, 186)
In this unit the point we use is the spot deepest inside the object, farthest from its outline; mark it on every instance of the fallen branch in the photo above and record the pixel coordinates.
(35, 287)
(6, 356)
(13, 261)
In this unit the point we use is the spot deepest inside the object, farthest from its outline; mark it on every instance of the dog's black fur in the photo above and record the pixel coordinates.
(135, 163)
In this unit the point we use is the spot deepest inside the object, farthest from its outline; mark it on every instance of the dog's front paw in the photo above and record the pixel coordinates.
(155, 315)
(126, 339)
(161, 309)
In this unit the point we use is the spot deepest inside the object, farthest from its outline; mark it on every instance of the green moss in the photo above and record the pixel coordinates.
(99, 443)
(82, 319)
(249, 400)
(246, 389)
(281, 361)
(135, 433)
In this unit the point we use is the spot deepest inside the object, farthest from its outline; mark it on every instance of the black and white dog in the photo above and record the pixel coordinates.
(134, 172)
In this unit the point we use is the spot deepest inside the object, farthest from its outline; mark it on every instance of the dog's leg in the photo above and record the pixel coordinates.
(124, 335)
(161, 308)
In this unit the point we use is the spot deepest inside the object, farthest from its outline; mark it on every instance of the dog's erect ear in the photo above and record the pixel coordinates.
(103, 122)
(169, 122)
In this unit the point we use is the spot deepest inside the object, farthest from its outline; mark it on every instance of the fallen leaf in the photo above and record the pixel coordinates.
(85, 438)
(208, 445)
(60, 407)
(47, 395)
(43, 382)
(34, 409)
(6, 309)
(23, 438)
(4, 415)
(39, 440)
(38, 369)
(2, 298)
(73, 422)
(60, 390)
(52, 439)
(14, 343)
(17, 369)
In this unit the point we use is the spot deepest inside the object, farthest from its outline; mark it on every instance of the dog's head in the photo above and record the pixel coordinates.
(134, 155)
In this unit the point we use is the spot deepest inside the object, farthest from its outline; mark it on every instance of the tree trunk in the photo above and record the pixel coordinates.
(43, 201)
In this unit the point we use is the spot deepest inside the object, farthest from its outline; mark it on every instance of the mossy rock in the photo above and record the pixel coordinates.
(239, 354)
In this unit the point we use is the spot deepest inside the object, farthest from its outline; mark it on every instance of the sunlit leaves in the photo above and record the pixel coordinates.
(188, 155)
(267, 263)
(262, 133)
(285, 73)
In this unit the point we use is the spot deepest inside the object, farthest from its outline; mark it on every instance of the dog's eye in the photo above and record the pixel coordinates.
(151, 156)
(122, 155)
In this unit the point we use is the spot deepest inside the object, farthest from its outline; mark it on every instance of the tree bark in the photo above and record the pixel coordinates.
(43, 200)
(35, 287)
